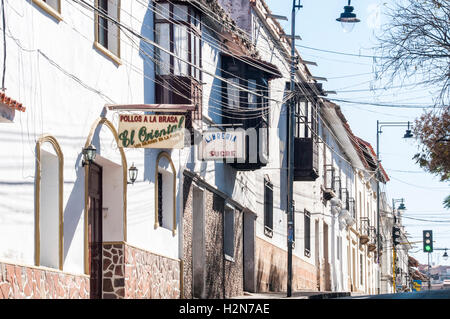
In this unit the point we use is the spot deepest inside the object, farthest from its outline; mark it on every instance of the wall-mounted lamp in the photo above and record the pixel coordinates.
(132, 174)
(88, 154)
(445, 256)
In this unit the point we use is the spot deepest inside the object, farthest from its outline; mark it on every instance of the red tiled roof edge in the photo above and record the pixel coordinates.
(374, 155)
(11, 103)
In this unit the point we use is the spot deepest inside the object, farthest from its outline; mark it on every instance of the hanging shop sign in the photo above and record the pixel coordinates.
(151, 131)
(220, 145)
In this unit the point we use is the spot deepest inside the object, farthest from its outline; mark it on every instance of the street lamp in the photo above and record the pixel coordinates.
(348, 18)
(132, 173)
(88, 154)
(401, 208)
(407, 135)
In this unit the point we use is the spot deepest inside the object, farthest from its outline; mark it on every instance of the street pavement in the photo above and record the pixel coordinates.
(295, 295)
(432, 294)
(427, 294)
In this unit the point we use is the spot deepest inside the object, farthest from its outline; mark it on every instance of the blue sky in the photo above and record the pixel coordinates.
(423, 193)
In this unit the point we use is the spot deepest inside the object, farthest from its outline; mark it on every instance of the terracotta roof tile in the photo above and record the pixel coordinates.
(9, 102)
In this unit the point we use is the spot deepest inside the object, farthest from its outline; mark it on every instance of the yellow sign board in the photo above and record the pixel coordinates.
(151, 131)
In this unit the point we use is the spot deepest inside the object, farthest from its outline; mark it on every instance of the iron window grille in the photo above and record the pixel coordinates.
(345, 198)
(337, 186)
(352, 207)
(160, 199)
(329, 177)
(365, 226)
(307, 220)
(268, 208)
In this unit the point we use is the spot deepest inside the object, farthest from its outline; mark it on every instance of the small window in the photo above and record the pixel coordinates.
(165, 193)
(307, 233)
(107, 38)
(52, 7)
(252, 97)
(160, 199)
(228, 232)
(361, 270)
(268, 208)
(233, 93)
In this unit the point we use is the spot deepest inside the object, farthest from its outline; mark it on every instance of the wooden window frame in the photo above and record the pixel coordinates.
(191, 28)
(37, 200)
(55, 13)
(115, 57)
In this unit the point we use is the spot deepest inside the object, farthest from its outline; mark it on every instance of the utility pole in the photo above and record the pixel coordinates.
(290, 137)
(429, 273)
(378, 213)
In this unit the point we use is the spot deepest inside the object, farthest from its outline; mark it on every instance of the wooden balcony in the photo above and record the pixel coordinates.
(170, 89)
(306, 159)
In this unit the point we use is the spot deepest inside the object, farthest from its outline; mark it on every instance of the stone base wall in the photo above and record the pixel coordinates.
(130, 272)
(271, 269)
(27, 282)
(113, 285)
(223, 278)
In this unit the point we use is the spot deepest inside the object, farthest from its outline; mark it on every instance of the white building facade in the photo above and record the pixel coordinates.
(191, 224)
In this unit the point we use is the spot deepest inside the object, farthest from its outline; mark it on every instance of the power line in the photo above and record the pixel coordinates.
(411, 106)
(342, 53)
(427, 220)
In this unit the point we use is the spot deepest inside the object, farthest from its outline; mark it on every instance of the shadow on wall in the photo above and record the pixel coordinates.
(215, 96)
(283, 157)
(274, 278)
(146, 52)
(75, 204)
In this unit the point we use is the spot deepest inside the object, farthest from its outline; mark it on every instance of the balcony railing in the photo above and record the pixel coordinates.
(364, 230)
(352, 207)
(372, 238)
(329, 182)
(337, 187)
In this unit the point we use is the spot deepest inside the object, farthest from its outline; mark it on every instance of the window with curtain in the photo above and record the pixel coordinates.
(233, 93)
(178, 30)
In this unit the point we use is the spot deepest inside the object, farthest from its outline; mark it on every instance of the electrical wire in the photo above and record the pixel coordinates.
(341, 53)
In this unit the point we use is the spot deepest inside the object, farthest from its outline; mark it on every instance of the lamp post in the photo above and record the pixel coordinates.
(407, 135)
(344, 19)
(401, 208)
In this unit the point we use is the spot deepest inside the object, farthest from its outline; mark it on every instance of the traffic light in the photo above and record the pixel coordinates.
(428, 241)
(396, 235)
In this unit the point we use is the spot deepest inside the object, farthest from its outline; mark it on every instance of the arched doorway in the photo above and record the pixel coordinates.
(105, 201)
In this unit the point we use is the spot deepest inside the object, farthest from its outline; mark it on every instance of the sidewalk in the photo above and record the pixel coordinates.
(295, 295)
